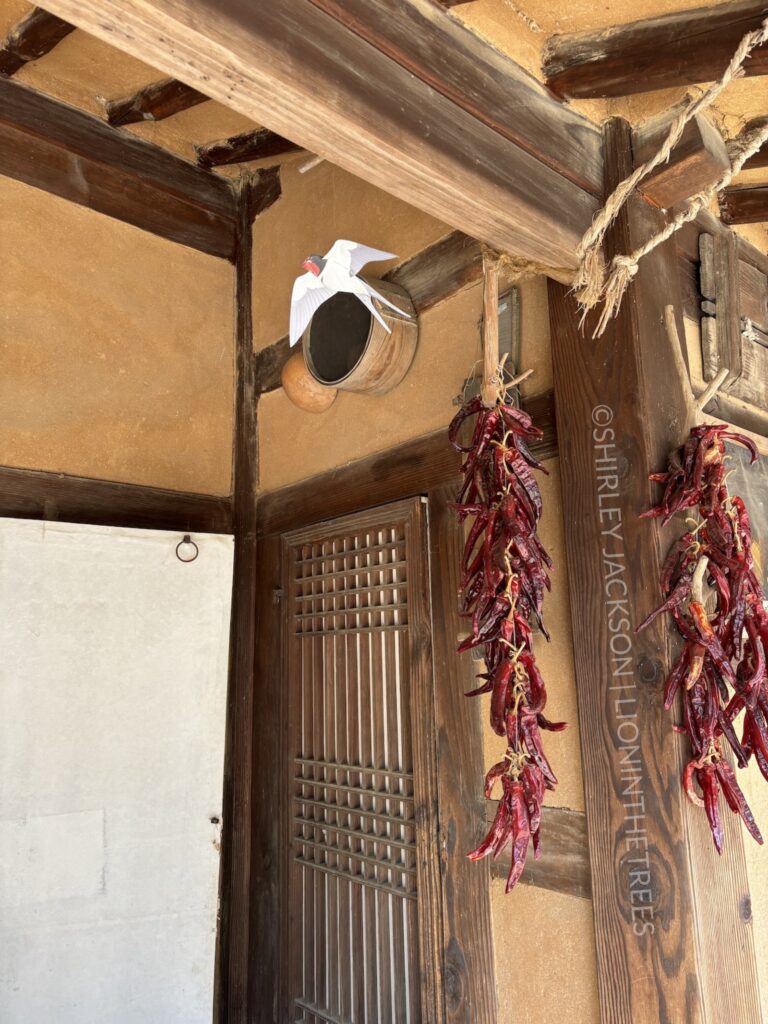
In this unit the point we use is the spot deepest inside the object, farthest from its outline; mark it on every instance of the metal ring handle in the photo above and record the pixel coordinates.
(186, 539)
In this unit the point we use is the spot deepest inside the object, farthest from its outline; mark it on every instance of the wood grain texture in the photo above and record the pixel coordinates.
(753, 294)
(697, 161)
(233, 959)
(55, 147)
(479, 79)
(314, 80)
(31, 494)
(429, 277)
(671, 946)
(746, 204)
(470, 994)
(258, 144)
(268, 876)
(727, 306)
(564, 863)
(416, 467)
(31, 38)
(665, 52)
(154, 102)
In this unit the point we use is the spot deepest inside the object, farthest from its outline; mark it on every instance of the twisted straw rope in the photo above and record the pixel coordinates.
(593, 282)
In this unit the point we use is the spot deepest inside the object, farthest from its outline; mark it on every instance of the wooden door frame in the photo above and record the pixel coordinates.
(425, 467)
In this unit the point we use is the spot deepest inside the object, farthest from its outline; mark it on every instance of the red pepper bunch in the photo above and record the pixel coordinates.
(504, 575)
(722, 667)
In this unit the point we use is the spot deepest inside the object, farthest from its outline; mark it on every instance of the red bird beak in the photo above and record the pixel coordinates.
(311, 267)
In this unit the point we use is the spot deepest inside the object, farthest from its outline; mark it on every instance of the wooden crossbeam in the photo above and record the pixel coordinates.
(658, 53)
(31, 38)
(697, 161)
(502, 160)
(154, 102)
(760, 159)
(745, 205)
(252, 145)
(62, 150)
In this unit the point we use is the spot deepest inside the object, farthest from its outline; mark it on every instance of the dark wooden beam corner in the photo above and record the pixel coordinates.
(154, 102)
(665, 52)
(747, 204)
(55, 147)
(259, 144)
(31, 38)
(698, 160)
(261, 190)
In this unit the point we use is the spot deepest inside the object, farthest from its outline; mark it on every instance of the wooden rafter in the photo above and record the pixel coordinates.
(31, 38)
(153, 102)
(52, 146)
(502, 159)
(745, 205)
(257, 144)
(658, 53)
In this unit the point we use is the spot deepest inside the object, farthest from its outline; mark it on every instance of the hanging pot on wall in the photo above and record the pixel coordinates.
(345, 347)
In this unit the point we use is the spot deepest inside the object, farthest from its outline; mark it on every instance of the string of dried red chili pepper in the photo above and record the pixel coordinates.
(504, 576)
(722, 668)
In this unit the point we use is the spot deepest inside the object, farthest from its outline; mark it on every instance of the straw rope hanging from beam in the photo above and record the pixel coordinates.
(595, 283)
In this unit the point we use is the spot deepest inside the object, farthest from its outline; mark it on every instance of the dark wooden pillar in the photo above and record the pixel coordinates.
(674, 940)
(233, 954)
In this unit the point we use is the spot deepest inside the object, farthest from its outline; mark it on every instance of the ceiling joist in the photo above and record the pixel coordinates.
(745, 205)
(474, 139)
(154, 102)
(31, 38)
(55, 147)
(258, 144)
(670, 51)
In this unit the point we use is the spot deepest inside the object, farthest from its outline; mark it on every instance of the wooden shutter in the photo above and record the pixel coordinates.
(363, 886)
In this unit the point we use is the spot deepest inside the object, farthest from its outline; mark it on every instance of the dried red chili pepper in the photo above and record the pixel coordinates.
(504, 578)
(722, 668)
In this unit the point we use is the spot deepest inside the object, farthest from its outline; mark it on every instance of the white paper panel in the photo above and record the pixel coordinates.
(113, 669)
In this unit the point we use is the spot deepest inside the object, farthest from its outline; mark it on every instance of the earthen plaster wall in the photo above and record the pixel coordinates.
(116, 349)
(556, 929)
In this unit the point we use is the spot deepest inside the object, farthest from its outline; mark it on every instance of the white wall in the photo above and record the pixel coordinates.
(113, 667)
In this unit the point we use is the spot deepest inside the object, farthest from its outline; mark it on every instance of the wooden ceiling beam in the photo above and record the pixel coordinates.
(258, 144)
(657, 53)
(52, 146)
(31, 38)
(153, 102)
(474, 141)
(697, 161)
(745, 205)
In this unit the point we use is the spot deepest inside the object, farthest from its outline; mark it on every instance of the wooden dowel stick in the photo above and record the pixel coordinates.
(490, 331)
(713, 387)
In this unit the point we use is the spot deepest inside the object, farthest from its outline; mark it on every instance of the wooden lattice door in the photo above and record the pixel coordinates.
(363, 894)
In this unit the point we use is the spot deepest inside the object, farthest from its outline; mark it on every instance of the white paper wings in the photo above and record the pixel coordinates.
(336, 272)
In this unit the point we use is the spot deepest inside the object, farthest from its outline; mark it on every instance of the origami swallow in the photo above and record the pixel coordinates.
(335, 272)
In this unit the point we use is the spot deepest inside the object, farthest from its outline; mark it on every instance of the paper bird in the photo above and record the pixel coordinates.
(335, 272)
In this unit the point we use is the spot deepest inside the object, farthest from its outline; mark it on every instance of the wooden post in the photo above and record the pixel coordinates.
(672, 923)
(490, 329)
